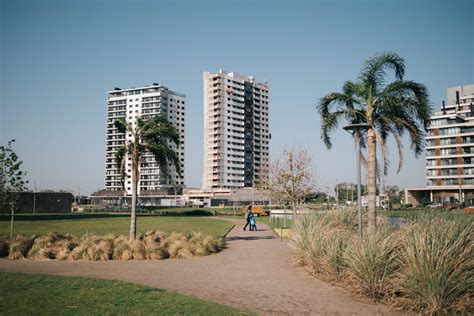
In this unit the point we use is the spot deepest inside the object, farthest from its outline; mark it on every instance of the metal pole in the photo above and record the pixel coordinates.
(359, 202)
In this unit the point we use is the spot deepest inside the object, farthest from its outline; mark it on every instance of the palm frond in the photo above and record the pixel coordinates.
(158, 129)
(120, 160)
(163, 156)
(374, 71)
(121, 125)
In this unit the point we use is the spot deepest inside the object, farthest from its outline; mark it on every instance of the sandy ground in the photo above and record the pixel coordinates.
(255, 274)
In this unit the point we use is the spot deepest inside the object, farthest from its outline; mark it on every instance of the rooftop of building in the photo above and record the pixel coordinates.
(151, 88)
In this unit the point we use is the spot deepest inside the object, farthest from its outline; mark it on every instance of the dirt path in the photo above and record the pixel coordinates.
(255, 273)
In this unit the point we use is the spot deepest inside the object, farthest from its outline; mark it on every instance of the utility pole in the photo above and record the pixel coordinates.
(34, 199)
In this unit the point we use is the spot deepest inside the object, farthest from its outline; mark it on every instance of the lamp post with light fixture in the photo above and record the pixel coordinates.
(355, 129)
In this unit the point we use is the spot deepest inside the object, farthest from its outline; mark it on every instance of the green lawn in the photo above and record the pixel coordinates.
(23, 294)
(275, 223)
(114, 225)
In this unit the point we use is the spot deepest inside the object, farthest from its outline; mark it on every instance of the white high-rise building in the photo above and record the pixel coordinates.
(450, 148)
(236, 131)
(146, 102)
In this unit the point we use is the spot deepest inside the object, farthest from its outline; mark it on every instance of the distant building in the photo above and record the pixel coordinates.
(146, 102)
(450, 152)
(236, 130)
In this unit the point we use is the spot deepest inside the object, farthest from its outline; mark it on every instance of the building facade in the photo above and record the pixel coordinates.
(450, 151)
(146, 102)
(236, 130)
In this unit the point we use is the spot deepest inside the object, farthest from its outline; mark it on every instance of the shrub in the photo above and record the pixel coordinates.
(179, 249)
(334, 244)
(4, 245)
(94, 248)
(372, 261)
(20, 246)
(438, 263)
(52, 246)
(319, 240)
(126, 249)
(153, 241)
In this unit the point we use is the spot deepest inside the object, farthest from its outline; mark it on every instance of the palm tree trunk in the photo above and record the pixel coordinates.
(133, 220)
(371, 183)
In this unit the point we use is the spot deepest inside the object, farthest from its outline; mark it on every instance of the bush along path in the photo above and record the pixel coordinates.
(255, 273)
(150, 245)
(427, 265)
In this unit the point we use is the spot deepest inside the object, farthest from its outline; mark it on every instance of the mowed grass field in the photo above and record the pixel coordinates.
(113, 225)
(23, 294)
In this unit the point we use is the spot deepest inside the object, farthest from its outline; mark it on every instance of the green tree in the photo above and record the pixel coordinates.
(387, 109)
(155, 136)
(11, 181)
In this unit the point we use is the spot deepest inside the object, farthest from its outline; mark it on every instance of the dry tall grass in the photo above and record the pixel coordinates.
(427, 266)
(52, 246)
(438, 264)
(94, 248)
(373, 261)
(153, 245)
(20, 246)
(319, 241)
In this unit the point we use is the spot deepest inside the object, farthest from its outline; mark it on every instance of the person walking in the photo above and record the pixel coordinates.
(248, 215)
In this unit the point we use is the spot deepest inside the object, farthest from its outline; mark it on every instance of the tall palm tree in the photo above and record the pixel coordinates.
(151, 136)
(386, 108)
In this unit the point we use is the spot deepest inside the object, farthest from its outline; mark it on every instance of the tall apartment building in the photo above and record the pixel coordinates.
(450, 151)
(236, 132)
(146, 102)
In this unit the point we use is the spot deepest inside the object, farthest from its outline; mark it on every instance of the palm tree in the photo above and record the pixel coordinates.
(386, 108)
(151, 136)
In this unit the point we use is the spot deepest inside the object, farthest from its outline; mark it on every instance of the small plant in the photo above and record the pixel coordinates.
(20, 246)
(52, 246)
(94, 248)
(438, 264)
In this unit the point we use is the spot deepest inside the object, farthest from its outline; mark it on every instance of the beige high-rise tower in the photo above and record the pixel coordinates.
(236, 131)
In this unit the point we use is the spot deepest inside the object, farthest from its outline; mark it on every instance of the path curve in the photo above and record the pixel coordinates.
(255, 274)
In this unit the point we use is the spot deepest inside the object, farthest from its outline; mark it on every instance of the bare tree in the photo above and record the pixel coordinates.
(290, 177)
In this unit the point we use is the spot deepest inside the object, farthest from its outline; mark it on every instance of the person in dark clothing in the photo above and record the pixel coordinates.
(248, 215)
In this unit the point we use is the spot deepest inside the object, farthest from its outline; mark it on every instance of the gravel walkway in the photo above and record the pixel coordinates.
(255, 274)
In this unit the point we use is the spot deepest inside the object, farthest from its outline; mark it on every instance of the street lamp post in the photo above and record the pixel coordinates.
(356, 129)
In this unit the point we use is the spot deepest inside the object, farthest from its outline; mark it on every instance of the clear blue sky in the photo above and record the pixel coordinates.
(59, 59)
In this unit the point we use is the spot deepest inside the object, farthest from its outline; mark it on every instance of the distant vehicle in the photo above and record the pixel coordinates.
(380, 202)
(451, 206)
(435, 205)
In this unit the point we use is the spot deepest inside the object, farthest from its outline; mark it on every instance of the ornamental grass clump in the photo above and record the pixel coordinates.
(4, 247)
(94, 248)
(437, 266)
(154, 246)
(125, 248)
(334, 245)
(372, 262)
(52, 246)
(20, 246)
(319, 241)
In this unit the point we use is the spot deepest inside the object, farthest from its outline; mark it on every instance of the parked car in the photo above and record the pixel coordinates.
(451, 206)
(435, 205)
